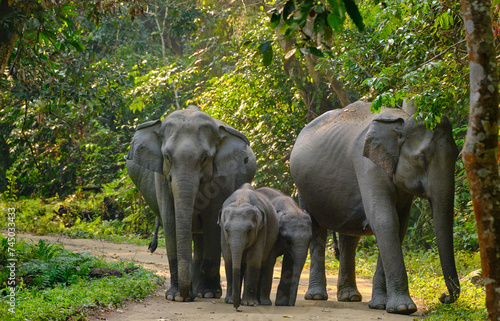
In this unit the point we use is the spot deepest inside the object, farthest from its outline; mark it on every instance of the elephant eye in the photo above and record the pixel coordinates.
(423, 160)
(204, 158)
(168, 158)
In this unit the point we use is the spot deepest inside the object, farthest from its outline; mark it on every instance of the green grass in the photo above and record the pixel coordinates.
(53, 283)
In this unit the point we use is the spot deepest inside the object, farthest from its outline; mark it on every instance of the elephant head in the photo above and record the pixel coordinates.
(421, 162)
(189, 149)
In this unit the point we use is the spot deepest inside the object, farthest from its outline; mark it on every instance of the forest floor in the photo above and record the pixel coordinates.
(157, 308)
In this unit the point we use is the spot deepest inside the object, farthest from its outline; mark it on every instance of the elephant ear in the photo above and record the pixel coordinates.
(231, 155)
(382, 141)
(145, 149)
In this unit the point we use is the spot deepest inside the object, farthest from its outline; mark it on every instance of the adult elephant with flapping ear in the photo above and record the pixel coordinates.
(185, 167)
(357, 173)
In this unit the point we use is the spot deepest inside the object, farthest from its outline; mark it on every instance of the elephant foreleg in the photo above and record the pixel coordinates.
(196, 264)
(228, 264)
(210, 250)
(166, 207)
(317, 276)
(284, 288)
(379, 290)
(379, 201)
(346, 286)
(251, 276)
(266, 278)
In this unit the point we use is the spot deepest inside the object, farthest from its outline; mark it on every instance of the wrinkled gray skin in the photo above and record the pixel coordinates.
(249, 229)
(185, 167)
(357, 174)
(295, 233)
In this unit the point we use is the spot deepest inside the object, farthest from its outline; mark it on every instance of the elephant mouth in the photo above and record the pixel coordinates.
(420, 190)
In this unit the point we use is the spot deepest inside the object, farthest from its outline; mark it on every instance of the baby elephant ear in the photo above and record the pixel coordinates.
(145, 149)
(383, 140)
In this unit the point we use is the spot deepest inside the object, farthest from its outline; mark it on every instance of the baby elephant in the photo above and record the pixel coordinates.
(295, 233)
(249, 229)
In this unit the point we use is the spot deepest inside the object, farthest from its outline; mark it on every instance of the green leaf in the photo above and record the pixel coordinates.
(266, 50)
(68, 10)
(275, 20)
(319, 22)
(265, 46)
(327, 32)
(335, 21)
(290, 30)
(376, 104)
(305, 10)
(353, 12)
(78, 46)
(267, 57)
(315, 51)
(288, 10)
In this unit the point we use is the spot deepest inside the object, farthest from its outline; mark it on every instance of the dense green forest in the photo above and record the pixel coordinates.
(83, 75)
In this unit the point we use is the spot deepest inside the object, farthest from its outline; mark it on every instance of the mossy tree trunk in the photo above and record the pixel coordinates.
(480, 149)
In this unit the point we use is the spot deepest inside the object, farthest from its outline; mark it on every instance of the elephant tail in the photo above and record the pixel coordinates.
(336, 246)
(154, 243)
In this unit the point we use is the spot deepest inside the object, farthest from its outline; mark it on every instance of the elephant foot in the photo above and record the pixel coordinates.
(265, 301)
(282, 300)
(229, 299)
(217, 293)
(378, 302)
(250, 302)
(209, 289)
(349, 294)
(173, 294)
(316, 293)
(401, 304)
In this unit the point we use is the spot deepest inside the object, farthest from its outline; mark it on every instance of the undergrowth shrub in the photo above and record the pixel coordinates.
(54, 284)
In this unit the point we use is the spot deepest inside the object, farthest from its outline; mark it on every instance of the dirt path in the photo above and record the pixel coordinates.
(157, 308)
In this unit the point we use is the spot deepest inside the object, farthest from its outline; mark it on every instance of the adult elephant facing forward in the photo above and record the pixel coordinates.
(185, 167)
(357, 174)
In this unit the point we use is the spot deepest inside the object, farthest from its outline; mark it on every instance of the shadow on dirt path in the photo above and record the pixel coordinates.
(157, 308)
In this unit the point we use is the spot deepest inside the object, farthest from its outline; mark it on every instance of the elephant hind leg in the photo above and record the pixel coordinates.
(346, 287)
(206, 277)
(317, 276)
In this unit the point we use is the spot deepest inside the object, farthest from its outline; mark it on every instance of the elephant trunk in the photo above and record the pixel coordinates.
(184, 188)
(299, 259)
(442, 203)
(237, 256)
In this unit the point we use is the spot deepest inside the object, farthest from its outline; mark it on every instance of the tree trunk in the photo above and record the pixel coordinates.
(10, 30)
(480, 150)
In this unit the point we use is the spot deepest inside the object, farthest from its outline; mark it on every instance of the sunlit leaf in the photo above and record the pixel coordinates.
(335, 21)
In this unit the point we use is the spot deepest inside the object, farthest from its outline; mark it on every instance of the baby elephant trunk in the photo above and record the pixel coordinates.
(237, 255)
